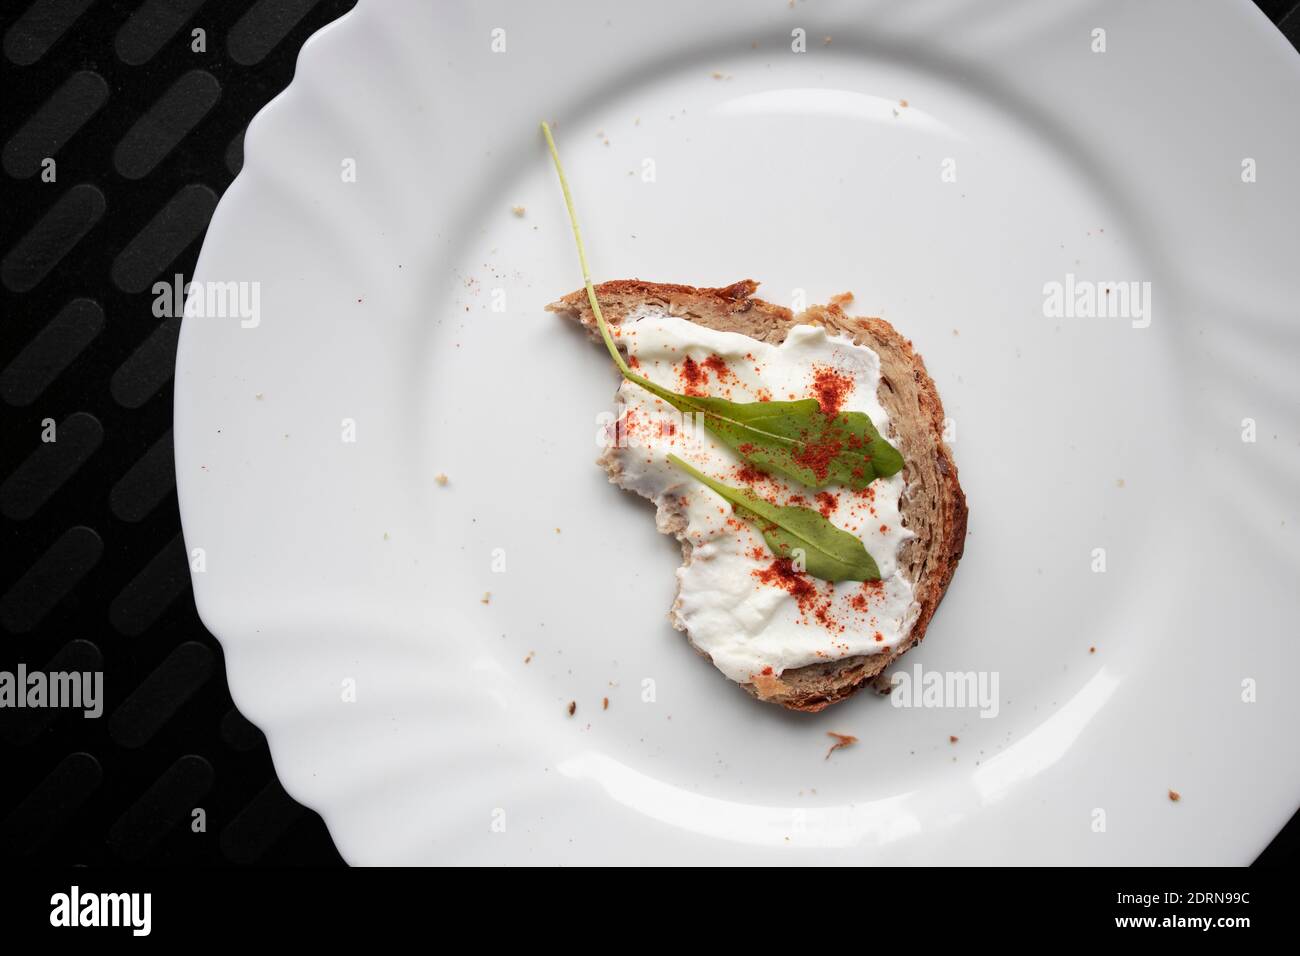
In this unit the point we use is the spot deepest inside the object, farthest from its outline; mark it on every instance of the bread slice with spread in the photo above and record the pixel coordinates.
(785, 637)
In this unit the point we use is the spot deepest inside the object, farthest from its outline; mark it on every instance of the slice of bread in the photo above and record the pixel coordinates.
(933, 506)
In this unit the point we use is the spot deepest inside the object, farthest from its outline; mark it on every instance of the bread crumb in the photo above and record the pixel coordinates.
(841, 740)
(573, 707)
(529, 658)
(903, 103)
(955, 332)
(440, 478)
(604, 703)
(1119, 482)
(1092, 650)
(719, 76)
(487, 596)
(826, 41)
(557, 530)
(1175, 796)
(518, 211)
(952, 739)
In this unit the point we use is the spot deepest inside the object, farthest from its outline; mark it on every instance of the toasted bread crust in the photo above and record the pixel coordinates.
(933, 504)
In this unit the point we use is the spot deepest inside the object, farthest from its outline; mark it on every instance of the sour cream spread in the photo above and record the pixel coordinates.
(750, 612)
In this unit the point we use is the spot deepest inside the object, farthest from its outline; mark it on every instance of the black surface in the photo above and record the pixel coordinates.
(147, 133)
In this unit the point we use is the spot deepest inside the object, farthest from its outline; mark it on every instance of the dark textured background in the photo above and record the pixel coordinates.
(147, 133)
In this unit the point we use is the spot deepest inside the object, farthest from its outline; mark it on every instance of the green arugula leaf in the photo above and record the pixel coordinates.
(828, 552)
(795, 439)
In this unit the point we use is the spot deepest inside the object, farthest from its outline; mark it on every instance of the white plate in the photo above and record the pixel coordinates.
(332, 564)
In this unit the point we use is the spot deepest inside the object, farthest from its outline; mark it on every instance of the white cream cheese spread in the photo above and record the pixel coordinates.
(750, 612)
